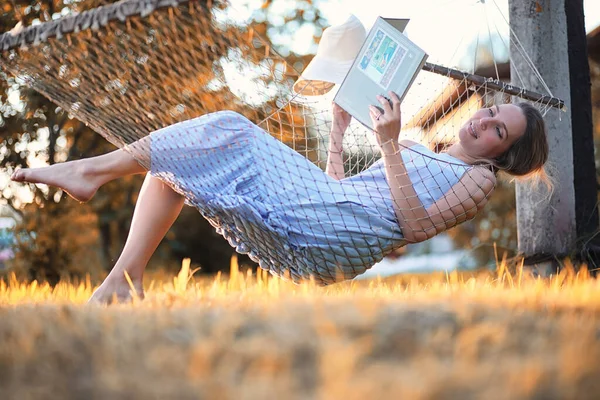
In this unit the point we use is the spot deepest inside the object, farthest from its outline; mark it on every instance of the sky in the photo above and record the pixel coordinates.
(368, 11)
(429, 20)
(474, 17)
(446, 29)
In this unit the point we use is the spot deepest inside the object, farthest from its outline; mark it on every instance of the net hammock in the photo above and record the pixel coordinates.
(155, 77)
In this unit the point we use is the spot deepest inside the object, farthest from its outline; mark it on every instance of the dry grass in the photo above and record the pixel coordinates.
(251, 337)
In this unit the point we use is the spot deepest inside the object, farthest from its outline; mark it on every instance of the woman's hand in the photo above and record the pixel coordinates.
(341, 119)
(387, 124)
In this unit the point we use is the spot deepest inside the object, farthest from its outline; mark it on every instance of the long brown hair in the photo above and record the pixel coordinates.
(529, 153)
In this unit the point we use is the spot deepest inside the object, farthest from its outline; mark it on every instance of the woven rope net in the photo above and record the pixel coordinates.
(154, 78)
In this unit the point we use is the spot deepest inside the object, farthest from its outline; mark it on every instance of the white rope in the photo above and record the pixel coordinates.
(522, 51)
(491, 42)
(476, 51)
(516, 70)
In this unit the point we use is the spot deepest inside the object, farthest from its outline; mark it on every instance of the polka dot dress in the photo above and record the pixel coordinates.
(273, 204)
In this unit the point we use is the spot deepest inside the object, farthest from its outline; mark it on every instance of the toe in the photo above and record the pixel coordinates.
(17, 176)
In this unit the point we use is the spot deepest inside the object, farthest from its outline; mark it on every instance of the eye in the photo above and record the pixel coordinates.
(497, 128)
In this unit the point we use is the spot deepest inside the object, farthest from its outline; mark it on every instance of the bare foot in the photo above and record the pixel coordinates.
(113, 291)
(73, 177)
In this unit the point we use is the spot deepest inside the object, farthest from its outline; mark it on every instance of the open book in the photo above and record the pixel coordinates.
(388, 60)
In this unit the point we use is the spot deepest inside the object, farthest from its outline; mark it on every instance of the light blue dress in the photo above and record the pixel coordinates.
(275, 205)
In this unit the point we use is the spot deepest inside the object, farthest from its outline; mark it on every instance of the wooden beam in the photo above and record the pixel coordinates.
(495, 84)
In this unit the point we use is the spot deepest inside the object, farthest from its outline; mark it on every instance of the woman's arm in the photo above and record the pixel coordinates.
(461, 202)
(464, 200)
(335, 160)
(412, 217)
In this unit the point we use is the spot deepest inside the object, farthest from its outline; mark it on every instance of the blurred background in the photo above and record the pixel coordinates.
(44, 234)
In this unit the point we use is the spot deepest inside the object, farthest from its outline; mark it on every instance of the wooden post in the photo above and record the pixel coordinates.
(545, 222)
(586, 191)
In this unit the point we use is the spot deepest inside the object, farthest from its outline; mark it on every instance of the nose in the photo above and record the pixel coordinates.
(483, 122)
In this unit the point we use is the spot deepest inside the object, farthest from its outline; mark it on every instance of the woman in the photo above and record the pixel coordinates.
(278, 207)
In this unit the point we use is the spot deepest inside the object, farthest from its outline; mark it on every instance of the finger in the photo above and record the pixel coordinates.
(385, 104)
(395, 101)
(377, 111)
(375, 114)
(341, 113)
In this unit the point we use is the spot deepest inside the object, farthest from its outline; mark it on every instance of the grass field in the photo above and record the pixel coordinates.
(248, 336)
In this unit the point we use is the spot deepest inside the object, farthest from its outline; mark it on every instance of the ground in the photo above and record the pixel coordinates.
(244, 336)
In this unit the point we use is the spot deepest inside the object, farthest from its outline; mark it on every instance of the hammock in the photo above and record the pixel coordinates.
(170, 68)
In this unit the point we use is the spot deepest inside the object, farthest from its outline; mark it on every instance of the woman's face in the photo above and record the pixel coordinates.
(491, 131)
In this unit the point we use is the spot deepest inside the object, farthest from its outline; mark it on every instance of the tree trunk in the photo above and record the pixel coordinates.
(105, 246)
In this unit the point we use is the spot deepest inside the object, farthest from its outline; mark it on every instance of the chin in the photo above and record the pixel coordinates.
(461, 135)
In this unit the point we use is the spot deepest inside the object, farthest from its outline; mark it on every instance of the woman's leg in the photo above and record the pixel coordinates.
(81, 179)
(155, 211)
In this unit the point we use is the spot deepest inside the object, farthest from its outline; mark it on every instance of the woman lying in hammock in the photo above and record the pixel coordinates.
(287, 214)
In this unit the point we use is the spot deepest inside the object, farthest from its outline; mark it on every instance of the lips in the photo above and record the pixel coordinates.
(471, 130)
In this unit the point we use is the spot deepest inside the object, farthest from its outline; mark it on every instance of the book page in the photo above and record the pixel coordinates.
(382, 58)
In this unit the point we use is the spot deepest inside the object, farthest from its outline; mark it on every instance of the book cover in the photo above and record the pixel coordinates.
(388, 60)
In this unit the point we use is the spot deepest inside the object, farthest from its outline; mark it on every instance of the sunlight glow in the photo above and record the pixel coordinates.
(508, 285)
(458, 22)
(245, 81)
(14, 99)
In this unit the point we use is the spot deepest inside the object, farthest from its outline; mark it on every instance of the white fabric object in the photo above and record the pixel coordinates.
(337, 50)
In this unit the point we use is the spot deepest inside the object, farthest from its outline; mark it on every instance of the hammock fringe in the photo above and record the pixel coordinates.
(91, 19)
